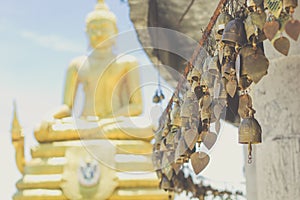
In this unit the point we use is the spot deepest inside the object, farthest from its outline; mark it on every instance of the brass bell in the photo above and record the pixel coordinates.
(196, 88)
(217, 36)
(290, 5)
(195, 74)
(253, 63)
(253, 4)
(234, 33)
(156, 98)
(249, 131)
(222, 21)
(214, 66)
(254, 25)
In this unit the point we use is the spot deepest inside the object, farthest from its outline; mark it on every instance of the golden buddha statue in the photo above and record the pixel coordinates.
(92, 155)
(110, 83)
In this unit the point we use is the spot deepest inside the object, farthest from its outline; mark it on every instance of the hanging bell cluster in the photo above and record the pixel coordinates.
(242, 58)
(174, 146)
(219, 87)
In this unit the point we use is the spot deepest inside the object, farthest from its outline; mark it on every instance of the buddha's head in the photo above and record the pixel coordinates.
(101, 25)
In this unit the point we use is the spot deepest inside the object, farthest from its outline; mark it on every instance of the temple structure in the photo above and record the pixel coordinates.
(100, 153)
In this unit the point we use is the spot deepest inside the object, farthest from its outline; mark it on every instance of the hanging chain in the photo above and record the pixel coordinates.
(249, 153)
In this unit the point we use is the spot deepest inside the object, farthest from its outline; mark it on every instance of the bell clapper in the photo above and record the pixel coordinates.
(249, 153)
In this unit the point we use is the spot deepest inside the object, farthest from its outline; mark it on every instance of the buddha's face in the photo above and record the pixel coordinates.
(99, 31)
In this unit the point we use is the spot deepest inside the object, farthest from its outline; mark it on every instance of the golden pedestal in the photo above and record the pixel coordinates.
(44, 176)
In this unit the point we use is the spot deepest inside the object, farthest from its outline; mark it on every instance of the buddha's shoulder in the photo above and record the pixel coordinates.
(77, 62)
(127, 60)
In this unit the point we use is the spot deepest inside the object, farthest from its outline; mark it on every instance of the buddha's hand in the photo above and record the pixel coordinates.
(64, 111)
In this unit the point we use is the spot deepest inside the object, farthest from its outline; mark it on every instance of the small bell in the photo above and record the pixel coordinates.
(253, 4)
(222, 21)
(214, 66)
(290, 5)
(234, 33)
(249, 131)
(196, 88)
(156, 98)
(254, 25)
(195, 75)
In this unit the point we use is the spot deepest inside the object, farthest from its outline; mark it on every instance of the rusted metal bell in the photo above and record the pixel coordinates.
(249, 131)
(214, 66)
(281, 44)
(289, 5)
(234, 33)
(254, 25)
(253, 63)
(222, 21)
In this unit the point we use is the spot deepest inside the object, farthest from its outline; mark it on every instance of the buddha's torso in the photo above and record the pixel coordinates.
(104, 88)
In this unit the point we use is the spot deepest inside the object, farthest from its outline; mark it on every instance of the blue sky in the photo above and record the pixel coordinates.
(38, 40)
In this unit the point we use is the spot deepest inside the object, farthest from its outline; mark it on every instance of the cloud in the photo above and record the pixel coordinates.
(54, 42)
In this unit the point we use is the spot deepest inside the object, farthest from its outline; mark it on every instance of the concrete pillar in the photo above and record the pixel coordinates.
(275, 173)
